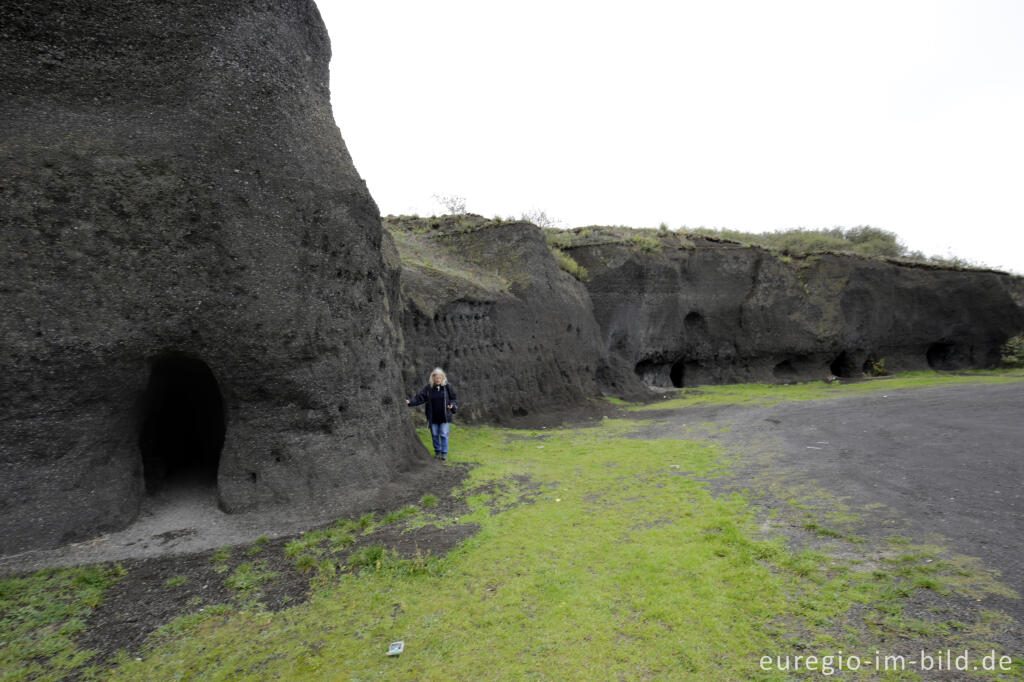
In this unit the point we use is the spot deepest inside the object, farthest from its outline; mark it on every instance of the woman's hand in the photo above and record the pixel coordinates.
(406, 401)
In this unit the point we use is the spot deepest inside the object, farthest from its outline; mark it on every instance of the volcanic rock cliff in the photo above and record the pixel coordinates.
(683, 311)
(488, 301)
(190, 268)
(195, 282)
(668, 310)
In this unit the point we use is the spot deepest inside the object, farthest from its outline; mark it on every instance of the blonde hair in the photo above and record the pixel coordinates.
(444, 377)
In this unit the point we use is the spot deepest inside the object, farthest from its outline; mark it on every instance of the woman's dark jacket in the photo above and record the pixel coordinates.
(423, 398)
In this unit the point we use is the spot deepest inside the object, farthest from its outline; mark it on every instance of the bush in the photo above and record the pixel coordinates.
(569, 264)
(538, 218)
(1013, 351)
(866, 241)
(452, 203)
(875, 368)
(645, 243)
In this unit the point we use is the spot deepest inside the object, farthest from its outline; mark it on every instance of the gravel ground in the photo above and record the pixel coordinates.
(941, 466)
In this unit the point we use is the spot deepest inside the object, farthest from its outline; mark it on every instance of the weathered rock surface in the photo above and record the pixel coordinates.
(189, 263)
(488, 302)
(195, 283)
(684, 312)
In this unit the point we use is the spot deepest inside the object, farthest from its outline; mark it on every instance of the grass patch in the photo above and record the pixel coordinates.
(569, 264)
(248, 576)
(766, 394)
(220, 559)
(428, 501)
(40, 616)
(624, 565)
(398, 515)
(599, 556)
(258, 546)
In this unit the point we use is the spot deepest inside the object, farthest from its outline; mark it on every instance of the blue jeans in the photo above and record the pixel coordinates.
(439, 433)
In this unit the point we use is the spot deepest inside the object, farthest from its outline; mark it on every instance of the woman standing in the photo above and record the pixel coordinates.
(440, 403)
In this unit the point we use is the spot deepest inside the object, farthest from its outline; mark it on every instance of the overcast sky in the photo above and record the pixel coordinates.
(906, 115)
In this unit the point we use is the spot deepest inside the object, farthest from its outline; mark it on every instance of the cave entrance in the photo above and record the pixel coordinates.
(845, 366)
(183, 424)
(785, 372)
(661, 374)
(944, 355)
(677, 374)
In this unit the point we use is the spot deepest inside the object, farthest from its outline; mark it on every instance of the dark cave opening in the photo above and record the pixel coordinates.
(661, 374)
(785, 371)
(944, 355)
(845, 366)
(677, 375)
(183, 423)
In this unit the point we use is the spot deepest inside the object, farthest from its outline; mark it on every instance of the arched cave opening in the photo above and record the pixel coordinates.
(785, 371)
(662, 374)
(694, 323)
(677, 374)
(945, 355)
(845, 366)
(183, 423)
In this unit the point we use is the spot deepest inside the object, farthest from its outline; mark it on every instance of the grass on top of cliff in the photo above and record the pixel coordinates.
(601, 555)
(418, 248)
(769, 394)
(863, 241)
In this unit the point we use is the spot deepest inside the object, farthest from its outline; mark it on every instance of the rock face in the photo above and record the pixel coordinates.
(191, 273)
(488, 302)
(195, 284)
(683, 312)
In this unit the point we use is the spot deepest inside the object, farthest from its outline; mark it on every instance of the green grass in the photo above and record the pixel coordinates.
(601, 555)
(623, 566)
(765, 394)
(419, 249)
(41, 614)
(398, 515)
(247, 577)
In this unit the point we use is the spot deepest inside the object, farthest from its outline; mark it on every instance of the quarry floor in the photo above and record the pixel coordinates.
(941, 465)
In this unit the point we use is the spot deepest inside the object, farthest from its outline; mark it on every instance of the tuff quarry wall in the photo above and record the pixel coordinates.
(686, 311)
(191, 274)
(488, 302)
(195, 283)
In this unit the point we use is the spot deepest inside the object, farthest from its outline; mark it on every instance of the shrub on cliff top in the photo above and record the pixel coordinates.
(866, 241)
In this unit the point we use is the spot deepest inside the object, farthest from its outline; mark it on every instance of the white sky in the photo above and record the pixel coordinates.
(907, 115)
